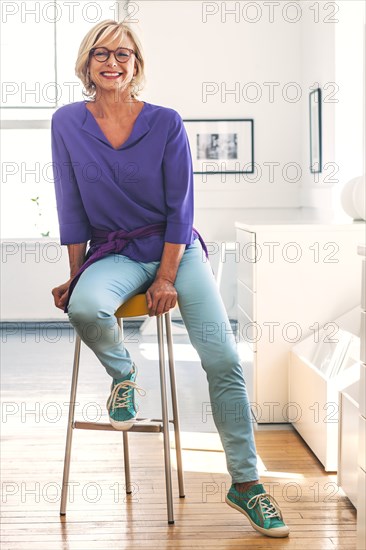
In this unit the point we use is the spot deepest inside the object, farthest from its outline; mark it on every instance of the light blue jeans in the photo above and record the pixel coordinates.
(112, 280)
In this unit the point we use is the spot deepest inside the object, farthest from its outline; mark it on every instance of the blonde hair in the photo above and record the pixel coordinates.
(111, 30)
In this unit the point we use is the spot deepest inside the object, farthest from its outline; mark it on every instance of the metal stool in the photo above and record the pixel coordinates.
(135, 307)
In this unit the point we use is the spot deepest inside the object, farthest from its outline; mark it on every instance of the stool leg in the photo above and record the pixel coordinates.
(165, 418)
(126, 453)
(126, 456)
(173, 388)
(70, 426)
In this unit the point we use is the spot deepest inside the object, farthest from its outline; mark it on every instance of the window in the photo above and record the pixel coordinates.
(39, 46)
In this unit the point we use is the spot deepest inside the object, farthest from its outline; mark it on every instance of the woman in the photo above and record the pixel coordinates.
(124, 181)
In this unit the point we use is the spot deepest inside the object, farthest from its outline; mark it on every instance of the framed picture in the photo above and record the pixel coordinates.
(221, 146)
(315, 113)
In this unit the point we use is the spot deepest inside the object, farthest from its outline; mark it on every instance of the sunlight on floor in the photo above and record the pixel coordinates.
(195, 449)
(182, 352)
(201, 461)
(284, 475)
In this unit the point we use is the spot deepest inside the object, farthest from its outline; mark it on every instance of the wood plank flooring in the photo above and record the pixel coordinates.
(99, 514)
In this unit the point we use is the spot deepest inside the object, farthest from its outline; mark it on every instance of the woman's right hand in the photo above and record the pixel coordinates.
(60, 294)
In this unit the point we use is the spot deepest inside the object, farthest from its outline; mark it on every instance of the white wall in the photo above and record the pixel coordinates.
(350, 111)
(332, 58)
(29, 271)
(183, 53)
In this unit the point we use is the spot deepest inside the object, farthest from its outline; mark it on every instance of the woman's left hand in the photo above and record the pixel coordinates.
(161, 296)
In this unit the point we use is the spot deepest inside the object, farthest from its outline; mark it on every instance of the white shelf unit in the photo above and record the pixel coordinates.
(316, 394)
(311, 277)
(361, 492)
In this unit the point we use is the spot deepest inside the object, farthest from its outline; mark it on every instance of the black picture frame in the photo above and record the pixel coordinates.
(221, 146)
(315, 120)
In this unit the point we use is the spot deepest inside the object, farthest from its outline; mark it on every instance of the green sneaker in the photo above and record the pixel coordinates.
(121, 406)
(260, 508)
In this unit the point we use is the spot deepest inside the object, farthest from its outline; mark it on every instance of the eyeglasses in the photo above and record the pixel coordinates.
(122, 55)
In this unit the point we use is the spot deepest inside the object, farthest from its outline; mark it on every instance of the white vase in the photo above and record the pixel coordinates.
(351, 198)
(359, 197)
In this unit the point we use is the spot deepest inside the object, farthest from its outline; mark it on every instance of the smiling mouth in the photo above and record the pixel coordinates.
(107, 74)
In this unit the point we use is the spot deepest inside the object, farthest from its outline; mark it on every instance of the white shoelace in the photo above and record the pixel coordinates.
(270, 510)
(118, 401)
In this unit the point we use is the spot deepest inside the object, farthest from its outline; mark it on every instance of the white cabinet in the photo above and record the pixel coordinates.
(292, 280)
(348, 441)
(361, 493)
(361, 510)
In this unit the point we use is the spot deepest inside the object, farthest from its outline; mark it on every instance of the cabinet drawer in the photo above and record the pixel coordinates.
(247, 257)
(246, 300)
(247, 329)
(363, 285)
(363, 337)
(362, 443)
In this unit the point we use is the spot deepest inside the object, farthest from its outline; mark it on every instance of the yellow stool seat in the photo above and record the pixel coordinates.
(134, 307)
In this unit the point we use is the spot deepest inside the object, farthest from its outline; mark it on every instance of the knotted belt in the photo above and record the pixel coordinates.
(105, 242)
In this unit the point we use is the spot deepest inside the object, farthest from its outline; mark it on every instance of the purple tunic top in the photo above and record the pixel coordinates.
(148, 180)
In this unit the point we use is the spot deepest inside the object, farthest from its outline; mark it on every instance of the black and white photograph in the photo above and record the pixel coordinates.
(221, 146)
(217, 146)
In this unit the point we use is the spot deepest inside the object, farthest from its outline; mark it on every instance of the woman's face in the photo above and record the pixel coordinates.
(99, 70)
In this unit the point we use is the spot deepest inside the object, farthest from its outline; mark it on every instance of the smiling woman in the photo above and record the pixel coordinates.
(142, 240)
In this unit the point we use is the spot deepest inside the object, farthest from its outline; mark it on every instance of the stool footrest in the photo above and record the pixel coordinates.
(138, 426)
(156, 420)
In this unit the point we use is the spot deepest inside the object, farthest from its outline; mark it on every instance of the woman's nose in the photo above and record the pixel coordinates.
(111, 59)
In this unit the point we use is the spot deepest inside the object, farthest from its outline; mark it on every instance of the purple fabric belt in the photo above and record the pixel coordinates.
(105, 242)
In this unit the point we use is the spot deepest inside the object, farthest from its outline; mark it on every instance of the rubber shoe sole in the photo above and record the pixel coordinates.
(279, 532)
(122, 425)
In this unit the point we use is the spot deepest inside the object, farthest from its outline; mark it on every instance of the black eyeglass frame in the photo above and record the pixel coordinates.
(91, 53)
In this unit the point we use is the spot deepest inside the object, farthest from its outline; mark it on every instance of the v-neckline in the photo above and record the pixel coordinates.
(103, 134)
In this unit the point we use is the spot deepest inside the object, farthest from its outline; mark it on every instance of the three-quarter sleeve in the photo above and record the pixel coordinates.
(73, 220)
(178, 184)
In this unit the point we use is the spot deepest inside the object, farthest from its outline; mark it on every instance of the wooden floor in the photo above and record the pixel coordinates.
(100, 516)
